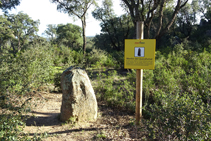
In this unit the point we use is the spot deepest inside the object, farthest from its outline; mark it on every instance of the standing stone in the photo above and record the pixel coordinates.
(78, 100)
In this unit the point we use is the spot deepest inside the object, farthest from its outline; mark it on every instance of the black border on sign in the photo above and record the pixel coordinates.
(135, 51)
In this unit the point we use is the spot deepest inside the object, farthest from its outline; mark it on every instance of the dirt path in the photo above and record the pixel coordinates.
(110, 125)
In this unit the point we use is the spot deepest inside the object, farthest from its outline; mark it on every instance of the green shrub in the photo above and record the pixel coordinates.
(78, 57)
(64, 56)
(176, 95)
(19, 76)
(96, 58)
(118, 57)
(178, 118)
(57, 81)
(118, 93)
(11, 127)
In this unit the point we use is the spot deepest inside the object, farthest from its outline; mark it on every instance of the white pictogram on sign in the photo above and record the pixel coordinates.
(139, 52)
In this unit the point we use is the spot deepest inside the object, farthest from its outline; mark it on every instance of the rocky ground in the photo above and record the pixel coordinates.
(112, 124)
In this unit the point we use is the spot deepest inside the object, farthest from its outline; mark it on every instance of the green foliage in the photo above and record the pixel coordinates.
(204, 39)
(65, 57)
(72, 120)
(119, 93)
(8, 4)
(32, 68)
(20, 76)
(74, 7)
(69, 35)
(78, 9)
(11, 127)
(118, 58)
(101, 135)
(184, 117)
(115, 30)
(5, 30)
(176, 95)
(89, 44)
(50, 32)
(57, 81)
(98, 58)
(24, 28)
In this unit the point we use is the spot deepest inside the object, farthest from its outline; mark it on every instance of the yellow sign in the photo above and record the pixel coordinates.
(139, 53)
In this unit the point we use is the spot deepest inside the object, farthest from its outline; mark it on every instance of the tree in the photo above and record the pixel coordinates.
(24, 28)
(69, 35)
(195, 8)
(115, 28)
(146, 11)
(185, 20)
(76, 8)
(50, 32)
(205, 9)
(6, 32)
(8, 4)
(105, 12)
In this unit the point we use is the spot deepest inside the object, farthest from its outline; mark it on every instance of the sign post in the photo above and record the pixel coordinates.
(139, 55)
(139, 75)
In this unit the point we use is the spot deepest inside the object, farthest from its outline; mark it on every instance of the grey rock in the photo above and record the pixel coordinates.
(78, 99)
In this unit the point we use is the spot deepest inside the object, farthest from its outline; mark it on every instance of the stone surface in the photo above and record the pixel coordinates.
(78, 99)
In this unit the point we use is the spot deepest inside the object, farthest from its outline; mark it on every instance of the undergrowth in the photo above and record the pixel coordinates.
(176, 95)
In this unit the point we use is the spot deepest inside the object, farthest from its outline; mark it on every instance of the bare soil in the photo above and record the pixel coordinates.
(112, 124)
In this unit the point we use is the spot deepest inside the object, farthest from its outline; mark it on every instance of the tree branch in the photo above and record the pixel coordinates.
(177, 8)
(67, 8)
(142, 10)
(160, 18)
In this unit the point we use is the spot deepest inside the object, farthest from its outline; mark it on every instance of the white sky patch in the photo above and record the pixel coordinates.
(47, 13)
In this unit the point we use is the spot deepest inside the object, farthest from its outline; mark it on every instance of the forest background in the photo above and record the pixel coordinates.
(176, 94)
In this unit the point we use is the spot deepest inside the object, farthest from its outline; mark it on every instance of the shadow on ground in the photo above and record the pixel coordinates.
(45, 119)
(71, 131)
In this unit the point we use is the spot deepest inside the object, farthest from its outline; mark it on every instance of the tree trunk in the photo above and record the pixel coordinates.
(160, 21)
(83, 20)
(176, 10)
(136, 14)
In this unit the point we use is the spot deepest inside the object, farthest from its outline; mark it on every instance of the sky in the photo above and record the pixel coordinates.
(47, 13)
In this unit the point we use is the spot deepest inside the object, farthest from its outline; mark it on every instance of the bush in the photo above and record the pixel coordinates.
(118, 93)
(57, 82)
(19, 76)
(176, 95)
(118, 57)
(178, 118)
(98, 58)
(78, 57)
(65, 57)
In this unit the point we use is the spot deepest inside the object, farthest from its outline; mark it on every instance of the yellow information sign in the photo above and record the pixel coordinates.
(139, 54)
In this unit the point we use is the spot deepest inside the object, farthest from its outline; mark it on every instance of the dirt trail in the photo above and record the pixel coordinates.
(110, 125)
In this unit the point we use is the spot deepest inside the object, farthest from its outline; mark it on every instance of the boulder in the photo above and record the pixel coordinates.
(78, 99)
